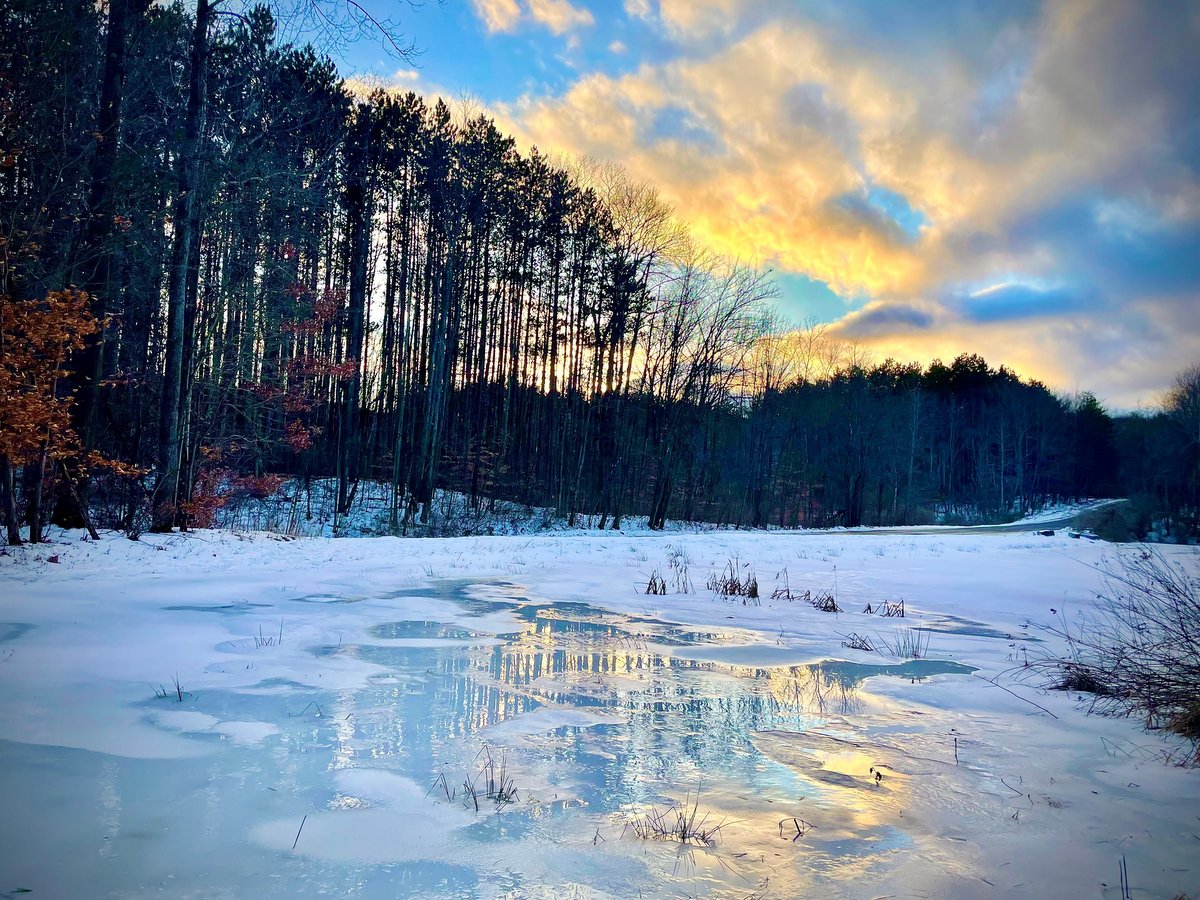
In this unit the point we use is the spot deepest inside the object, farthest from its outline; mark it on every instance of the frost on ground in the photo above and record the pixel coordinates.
(221, 715)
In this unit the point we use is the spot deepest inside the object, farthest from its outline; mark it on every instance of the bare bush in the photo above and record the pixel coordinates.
(678, 562)
(1137, 649)
(823, 601)
(856, 641)
(733, 582)
(655, 584)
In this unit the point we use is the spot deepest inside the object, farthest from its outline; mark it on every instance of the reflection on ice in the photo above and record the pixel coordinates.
(604, 717)
(596, 717)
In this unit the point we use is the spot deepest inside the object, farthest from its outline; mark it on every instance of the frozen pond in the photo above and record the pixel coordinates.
(577, 722)
(515, 718)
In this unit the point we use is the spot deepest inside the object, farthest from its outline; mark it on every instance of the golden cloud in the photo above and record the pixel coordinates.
(559, 16)
(498, 15)
(771, 145)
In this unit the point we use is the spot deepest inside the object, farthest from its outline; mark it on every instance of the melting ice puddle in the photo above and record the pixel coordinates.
(594, 717)
(425, 630)
(956, 625)
(663, 722)
(225, 609)
(11, 631)
(327, 598)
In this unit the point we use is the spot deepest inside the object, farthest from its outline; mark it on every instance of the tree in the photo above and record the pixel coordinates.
(307, 283)
(184, 227)
(36, 337)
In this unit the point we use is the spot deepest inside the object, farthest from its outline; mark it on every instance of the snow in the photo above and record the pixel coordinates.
(337, 694)
(309, 510)
(1058, 511)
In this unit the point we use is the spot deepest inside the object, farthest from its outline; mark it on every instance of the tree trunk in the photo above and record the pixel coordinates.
(188, 167)
(8, 496)
(35, 484)
(97, 255)
(359, 220)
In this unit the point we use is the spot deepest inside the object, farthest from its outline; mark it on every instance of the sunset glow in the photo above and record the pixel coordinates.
(1017, 180)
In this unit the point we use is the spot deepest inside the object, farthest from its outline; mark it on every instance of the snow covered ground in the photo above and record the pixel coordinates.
(302, 509)
(236, 715)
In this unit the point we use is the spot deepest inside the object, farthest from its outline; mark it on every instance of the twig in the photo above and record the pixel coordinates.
(298, 830)
(1018, 696)
(1010, 787)
(802, 827)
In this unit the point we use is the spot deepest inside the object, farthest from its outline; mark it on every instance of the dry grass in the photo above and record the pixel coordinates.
(911, 643)
(822, 600)
(856, 641)
(656, 584)
(683, 823)
(737, 579)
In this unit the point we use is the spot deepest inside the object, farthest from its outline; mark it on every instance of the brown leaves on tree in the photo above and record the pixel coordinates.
(215, 485)
(36, 338)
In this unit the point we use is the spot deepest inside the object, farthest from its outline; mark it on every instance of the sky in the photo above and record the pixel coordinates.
(1015, 179)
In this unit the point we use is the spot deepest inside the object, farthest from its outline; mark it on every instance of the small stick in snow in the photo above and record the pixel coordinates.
(1010, 787)
(298, 830)
(1015, 694)
(1126, 893)
(800, 825)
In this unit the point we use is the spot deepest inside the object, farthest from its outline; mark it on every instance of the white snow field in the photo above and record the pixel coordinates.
(221, 715)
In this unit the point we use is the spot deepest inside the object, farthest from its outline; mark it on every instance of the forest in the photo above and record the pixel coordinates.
(227, 268)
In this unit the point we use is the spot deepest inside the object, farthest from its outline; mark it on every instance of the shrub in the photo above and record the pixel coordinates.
(1137, 650)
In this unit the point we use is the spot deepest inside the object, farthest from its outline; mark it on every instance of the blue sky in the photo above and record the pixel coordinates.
(461, 55)
(1016, 179)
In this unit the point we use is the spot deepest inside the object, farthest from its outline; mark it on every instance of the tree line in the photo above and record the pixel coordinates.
(283, 276)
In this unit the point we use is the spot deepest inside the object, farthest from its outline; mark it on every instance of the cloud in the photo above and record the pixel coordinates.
(699, 18)
(1012, 301)
(558, 16)
(1126, 358)
(639, 9)
(1048, 151)
(498, 15)
(883, 211)
(886, 319)
(762, 187)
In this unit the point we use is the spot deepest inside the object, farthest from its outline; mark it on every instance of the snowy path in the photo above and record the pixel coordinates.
(1042, 521)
